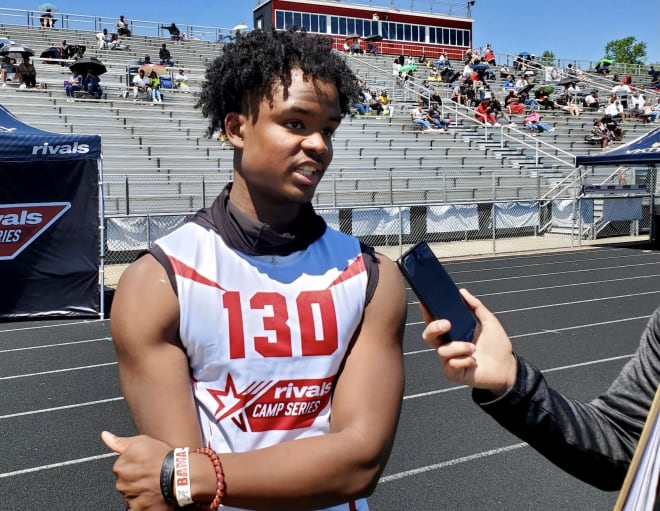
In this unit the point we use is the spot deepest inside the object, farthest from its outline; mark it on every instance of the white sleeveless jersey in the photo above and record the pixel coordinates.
(265, 335)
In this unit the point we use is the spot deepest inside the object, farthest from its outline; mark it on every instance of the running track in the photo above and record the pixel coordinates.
(575, 314)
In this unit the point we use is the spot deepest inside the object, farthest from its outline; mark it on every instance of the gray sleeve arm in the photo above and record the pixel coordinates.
(592, 441)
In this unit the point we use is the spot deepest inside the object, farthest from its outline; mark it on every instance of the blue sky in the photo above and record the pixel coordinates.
(571, 29)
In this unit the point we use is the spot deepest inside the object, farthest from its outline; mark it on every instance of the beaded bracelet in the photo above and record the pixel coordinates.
(166, 478)
(219, 477)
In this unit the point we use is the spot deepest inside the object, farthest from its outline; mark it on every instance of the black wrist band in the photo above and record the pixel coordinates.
(167, 477)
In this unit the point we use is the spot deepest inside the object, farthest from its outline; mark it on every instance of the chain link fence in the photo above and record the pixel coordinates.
(392, 213)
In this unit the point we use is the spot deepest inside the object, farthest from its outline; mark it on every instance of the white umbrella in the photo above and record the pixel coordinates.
(240, 26)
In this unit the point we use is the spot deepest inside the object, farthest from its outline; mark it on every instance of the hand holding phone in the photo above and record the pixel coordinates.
(436, 291)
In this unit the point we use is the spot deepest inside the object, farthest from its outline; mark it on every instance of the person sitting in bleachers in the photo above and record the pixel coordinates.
(484, 113)
(140, 85)
(599, 134)
(46, 19)
(615, 110)
(122, 27)
(73, 84)
(175, 33)
(92, 84)
(418, 117)
(513, 104)
(7, 70)
(154, 84)
(385, 101)
(533, 123)
(434, 116)
(181, 80)
(590, 100)
(26, 74)
(165, 56)
(616, 131)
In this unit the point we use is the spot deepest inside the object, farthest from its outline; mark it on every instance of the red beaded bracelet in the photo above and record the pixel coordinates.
(219, 477)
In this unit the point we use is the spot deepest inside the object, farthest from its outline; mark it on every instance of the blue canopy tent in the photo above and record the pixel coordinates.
(644, 150)
(50, 222)
(641, 151)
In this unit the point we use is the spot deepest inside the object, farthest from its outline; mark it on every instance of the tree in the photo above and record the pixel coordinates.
(548, 58)
(626, 51)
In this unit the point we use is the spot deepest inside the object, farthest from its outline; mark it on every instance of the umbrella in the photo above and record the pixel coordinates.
(5, 42)
(148, 68)
(17, 49)
(353, 36)
(407, 67)
(240, 26)
(48, 7)
(373, 38)
(52, 52)
(526, 88)
(524, 54)
(567, 81)
(606, 61)
(480, 67)
(85, 64)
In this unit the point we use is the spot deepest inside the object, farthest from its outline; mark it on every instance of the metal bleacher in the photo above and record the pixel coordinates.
(158, 157)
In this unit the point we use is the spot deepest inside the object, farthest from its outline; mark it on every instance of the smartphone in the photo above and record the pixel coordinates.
(437, 291)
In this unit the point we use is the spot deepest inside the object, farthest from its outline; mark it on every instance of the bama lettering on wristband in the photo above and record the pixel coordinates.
(182, 490)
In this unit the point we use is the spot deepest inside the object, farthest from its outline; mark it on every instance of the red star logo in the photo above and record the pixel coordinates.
(229, 401)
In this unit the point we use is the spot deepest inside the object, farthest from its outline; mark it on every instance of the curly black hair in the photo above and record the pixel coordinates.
(248, 68)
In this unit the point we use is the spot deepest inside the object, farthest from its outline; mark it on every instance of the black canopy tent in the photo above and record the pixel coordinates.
(50, 222)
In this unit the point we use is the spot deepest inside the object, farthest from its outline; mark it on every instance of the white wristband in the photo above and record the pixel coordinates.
(182, 490)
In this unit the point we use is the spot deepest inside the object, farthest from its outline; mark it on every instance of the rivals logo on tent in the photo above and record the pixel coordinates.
(21, 224)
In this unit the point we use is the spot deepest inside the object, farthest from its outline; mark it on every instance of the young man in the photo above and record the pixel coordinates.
(593, 441)
(255, 329)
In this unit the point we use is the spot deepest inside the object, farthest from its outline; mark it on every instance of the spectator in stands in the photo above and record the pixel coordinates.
(501, 116)
(385, 101)
(513, 104)
(435, 96)
(654, 113)
(154, 85)
(590, 100)
(641, 113)
(616, 132)
(146, 60)
(116, 43)
(459, 94)
(544, 100)
(73, 84)
(181, 80)
(26, 73)
(637, 98)
(175, 33)
(7, 70)
(46, 20)
(122, 27)
(92, 84)
(572, 106)
(165, 56)
(418, 116)
(521, 83)
(371, 48)
(484, 113)
(395, 68)
(467, 71)
(489, 56)
(141, 85)
(615, 110)
(442, 60)
(372, 100)
(434, 116)
(103, 39)
(533, 123)
(504, 71)
(599, 133)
